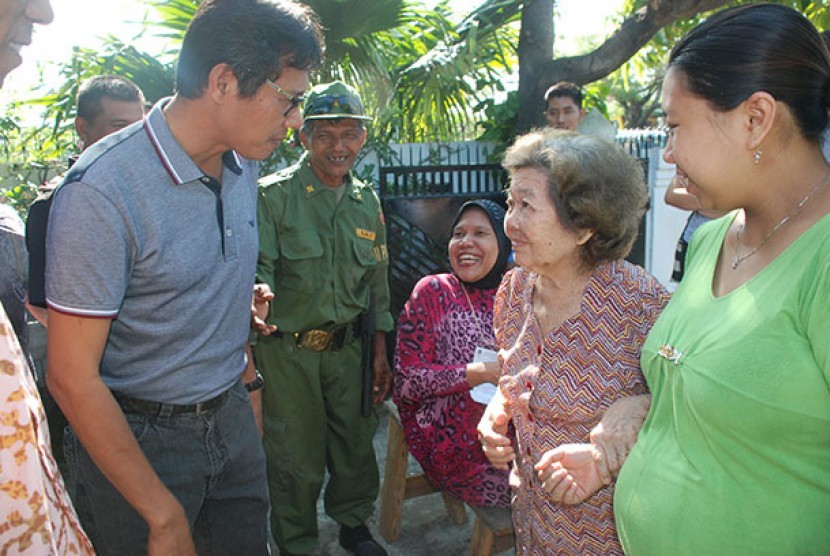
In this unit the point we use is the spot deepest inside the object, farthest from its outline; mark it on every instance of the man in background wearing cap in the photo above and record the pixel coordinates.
(323, 252)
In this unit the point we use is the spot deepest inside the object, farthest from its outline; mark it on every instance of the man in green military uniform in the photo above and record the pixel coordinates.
(323, 251)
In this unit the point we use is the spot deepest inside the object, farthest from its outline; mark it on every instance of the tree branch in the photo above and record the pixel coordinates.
(631, 36)
(634, 32)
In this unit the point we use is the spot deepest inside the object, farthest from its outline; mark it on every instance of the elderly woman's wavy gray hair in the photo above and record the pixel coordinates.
(594, 185)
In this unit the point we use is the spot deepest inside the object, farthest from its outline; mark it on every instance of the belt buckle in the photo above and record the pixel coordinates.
(316, 340)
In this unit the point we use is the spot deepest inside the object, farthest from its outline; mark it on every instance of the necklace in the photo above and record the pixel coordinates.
(738, 258)
(475, 315)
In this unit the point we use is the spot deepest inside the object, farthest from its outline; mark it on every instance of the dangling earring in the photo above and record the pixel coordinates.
(758, 155)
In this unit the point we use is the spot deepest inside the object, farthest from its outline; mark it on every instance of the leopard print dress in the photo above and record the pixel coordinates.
(438, 332)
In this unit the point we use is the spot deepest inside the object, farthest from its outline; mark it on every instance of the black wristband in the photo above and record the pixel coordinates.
(255, 384)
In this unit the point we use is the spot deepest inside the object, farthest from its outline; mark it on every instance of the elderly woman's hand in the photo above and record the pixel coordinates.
(492, 433)
(569, 473)
(483, 372)
(617, 432)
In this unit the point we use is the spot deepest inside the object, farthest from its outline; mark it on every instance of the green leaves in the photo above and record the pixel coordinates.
(175, 16)
(635, 87)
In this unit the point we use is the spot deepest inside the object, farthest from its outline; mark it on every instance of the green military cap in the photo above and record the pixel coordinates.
(330, 101)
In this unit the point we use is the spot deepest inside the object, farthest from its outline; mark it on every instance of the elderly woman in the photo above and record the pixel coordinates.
(734, 457)
(570, 322)
(447, 317)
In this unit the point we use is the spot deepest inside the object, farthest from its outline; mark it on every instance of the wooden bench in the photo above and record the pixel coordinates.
(492, 531)
(399, 486)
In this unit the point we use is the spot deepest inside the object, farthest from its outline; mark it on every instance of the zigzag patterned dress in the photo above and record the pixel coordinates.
(561, 383)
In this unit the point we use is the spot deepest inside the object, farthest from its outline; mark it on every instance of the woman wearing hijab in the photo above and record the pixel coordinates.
(446, 321)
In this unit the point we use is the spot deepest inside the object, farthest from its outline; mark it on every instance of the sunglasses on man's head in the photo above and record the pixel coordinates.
(338, 104)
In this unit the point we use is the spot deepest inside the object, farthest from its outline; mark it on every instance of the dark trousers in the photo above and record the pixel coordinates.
(212, 462)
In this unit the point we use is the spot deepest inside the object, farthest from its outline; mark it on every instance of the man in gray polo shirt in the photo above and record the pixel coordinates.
(151, 253)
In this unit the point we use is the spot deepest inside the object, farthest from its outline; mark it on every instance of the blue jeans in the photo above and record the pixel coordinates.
(213, 463)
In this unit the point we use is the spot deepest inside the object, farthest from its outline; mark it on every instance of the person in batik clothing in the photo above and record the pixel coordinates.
(36, 515)
(570, 322)
(445, 319)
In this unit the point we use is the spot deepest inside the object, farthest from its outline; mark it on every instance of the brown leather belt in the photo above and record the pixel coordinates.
(321, 340)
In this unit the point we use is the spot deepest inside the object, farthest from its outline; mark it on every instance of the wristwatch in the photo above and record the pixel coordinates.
(255, 384)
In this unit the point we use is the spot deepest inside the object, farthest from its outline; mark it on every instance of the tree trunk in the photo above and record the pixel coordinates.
(634, 32)
(535, 51)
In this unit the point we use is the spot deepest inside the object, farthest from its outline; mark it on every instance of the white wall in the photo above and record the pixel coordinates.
(664, 223)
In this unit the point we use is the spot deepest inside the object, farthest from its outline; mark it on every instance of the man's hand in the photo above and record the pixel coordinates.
(617, 432)
(171, 535)
(492, 433)
(382, 375)
(76, 345)
(260, 305)
(569, 473)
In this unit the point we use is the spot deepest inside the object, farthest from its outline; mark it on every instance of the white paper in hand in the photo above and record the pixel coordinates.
(483, 393)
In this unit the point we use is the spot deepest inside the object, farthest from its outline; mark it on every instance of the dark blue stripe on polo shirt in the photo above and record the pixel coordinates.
(216, 188)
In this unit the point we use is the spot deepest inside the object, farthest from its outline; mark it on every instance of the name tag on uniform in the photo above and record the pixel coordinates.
(365, 234)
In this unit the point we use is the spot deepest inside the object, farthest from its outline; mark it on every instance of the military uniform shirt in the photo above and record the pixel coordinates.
(321, 257)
